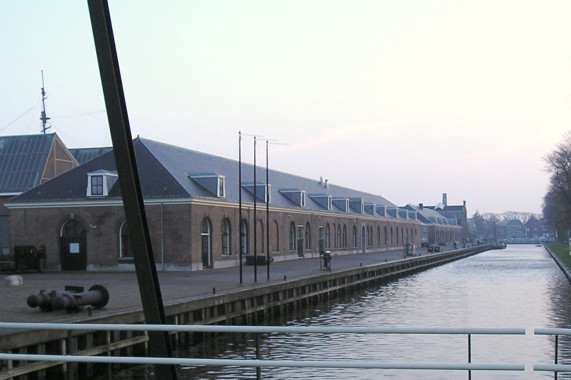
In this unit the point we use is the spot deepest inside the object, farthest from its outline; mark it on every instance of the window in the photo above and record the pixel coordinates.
(221, 187)
(292, 236)
(124, 246)
(354, 236)
(378, 236)
(225, 236)
(100, 182)
(327, 236)
(277, 240)
(244, 236)
(214, 183)
(97, 185)
(307, 236)
(344, 237)
(205, 235)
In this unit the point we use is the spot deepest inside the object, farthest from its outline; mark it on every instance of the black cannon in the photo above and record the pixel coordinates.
(44, 300)
(72, 299)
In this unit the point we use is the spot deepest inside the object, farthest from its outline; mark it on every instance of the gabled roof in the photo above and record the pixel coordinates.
(24, 161)
(82, 155)
(164, 173)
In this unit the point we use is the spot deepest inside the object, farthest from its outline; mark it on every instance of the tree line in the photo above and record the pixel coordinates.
(557, 200)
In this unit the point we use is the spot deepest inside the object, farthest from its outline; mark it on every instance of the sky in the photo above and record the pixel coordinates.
(403, 99)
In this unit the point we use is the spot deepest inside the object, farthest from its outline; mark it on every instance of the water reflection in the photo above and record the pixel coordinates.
(517, 287)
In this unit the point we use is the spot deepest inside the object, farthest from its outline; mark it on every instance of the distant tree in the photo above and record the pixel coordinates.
(557, 200)
(480, 224)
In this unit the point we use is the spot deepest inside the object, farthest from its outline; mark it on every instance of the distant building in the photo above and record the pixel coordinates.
(456, 212)
(26, 162)
(191, 201)
(510, 229)
(435, 227)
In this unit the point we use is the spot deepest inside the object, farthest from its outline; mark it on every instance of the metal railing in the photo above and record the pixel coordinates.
(259, 363)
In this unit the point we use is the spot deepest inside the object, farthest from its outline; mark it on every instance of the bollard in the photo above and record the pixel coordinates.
(97, 296)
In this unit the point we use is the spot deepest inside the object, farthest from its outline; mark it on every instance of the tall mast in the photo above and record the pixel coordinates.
(43, 116)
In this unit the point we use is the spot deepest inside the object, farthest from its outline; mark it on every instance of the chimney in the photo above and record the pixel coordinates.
(421, 206)
(321, 181)
(444, 199)
(327, 184)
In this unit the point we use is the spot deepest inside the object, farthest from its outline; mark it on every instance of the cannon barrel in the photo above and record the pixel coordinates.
(43, 300)
(97, 296)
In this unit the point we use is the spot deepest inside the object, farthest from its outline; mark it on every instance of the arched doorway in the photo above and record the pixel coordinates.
(73, 246)
(206, 237)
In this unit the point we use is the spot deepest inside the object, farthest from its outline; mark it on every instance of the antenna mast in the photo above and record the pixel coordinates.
(43, 116)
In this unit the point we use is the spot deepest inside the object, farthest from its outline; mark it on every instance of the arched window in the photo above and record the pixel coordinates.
(327, 236)
(386, 236)
(354, 236)
(397, 229)
(378, 236)
(261, 238)
(277, 235)
(338, 237)
(392, 241)
(370, 236)
(307, 236)
(206, 237)
(292, 236)
(344, 237)
(124, 246)
(226, 236)
(244, 237)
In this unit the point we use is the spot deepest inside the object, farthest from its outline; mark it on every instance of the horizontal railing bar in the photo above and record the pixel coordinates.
(552, 331)
(268, 363)
(266, 329)
(552, 367)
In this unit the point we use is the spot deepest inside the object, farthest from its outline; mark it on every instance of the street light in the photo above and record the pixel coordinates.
(240, 204)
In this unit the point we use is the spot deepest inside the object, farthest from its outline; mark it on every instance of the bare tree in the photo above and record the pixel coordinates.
(557, 201)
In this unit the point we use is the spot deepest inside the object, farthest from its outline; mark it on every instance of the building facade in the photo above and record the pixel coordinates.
(192, 205)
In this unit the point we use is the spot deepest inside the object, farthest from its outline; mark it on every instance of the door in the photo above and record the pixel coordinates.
(73, 246)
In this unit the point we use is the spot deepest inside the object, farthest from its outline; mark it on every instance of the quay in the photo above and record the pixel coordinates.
(191, 297)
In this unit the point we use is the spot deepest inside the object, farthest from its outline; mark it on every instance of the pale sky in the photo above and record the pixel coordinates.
(405, 99)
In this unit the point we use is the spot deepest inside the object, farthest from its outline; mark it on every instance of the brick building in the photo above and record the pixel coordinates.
(191, 200)
(25, 162)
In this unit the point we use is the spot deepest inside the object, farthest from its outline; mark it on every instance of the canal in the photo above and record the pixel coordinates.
(520, 286)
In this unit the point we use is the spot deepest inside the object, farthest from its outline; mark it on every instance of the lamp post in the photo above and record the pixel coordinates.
(267, 215)
(240, 200)
(255, 220)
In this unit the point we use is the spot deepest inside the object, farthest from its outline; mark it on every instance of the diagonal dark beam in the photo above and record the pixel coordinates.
(129, 181)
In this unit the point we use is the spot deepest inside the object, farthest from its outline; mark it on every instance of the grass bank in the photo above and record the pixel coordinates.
(562, 251)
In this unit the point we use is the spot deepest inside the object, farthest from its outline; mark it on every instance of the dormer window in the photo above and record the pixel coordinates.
(297, 196)
(221, 187)
(96, 185)
(214, 183)
(100, 182)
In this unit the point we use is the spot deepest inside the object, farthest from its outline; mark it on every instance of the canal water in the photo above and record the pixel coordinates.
(520, 286)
